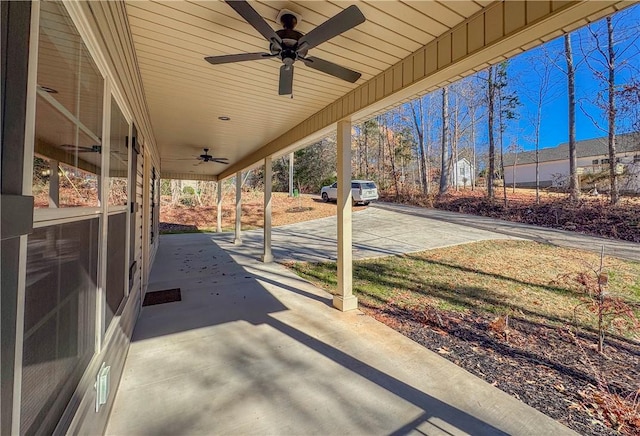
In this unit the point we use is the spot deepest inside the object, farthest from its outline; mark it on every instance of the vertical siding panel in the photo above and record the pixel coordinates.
(537, 9)
(459, 43)
(514, 15)
(431, 58)
(407, 71)
(475, 33)
(388, 82)
(397, 77)
(444, 51)
(418, 65)
(493, 19)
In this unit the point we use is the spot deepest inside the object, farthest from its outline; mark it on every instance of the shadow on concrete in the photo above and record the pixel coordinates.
(237, 294)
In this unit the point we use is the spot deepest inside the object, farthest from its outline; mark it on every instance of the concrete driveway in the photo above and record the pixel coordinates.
(385, 229)
(377, 231)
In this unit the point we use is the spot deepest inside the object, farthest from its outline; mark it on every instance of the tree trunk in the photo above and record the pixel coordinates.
(418, 121)
(444, 173)
(612, 115)
(574, 188)
(473, 145)
(492, 145)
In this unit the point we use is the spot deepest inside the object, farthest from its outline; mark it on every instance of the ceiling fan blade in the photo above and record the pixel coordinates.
(334, 26)
(286, 80)
(331, 68)
(226, 59)
(220, 160)
(252, 17)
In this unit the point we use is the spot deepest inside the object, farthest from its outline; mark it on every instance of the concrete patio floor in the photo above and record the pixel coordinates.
(253, 349)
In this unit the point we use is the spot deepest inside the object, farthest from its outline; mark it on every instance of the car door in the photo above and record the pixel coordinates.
(355, 191)
(333, 191)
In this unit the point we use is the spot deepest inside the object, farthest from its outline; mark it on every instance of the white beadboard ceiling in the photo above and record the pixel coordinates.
(186, 95)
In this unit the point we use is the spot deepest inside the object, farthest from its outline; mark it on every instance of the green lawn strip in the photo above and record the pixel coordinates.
(520, 278)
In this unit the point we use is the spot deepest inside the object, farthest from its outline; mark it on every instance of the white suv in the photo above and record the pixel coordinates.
(362, 191)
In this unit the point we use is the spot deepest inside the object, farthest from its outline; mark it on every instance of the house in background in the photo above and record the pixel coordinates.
(462, 174)
(593, 158)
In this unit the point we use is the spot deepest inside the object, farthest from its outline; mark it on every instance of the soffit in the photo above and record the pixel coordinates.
(186, 95)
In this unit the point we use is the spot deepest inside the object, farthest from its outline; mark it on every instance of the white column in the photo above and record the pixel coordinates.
(219, 214)
(268, 177)
(54, 184)
(291, 174)
(238, 239)
(345, 300)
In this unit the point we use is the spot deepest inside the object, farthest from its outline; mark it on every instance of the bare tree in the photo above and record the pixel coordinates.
(609, 44)
(546, 90)
(419, 122)
(444, 172)
(490, 119)
(574, 188)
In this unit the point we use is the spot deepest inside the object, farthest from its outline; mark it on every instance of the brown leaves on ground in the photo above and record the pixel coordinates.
(285, 210)
(621, 414)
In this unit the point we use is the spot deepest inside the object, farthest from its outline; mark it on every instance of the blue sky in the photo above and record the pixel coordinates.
(554, 127)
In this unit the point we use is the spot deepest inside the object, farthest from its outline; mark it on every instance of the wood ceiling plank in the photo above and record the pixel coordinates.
(437, 12)
(373, 30)
(403, 19)
(464, 8)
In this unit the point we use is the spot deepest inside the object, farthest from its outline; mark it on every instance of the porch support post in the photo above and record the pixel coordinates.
(54, 184)
(268, 177)
(345, 300)
(238, 239)
(219, 213)
(291, 174)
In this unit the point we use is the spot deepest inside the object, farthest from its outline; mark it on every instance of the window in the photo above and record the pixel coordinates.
(636, 158)
(595, 162)
(355, 185)
(604, 161)
(59, 319)
(68, 144)
(62, 258)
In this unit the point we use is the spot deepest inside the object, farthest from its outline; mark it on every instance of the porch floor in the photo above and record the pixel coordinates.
(253, 349)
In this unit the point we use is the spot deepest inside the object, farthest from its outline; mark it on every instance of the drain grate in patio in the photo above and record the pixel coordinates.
(161, 297)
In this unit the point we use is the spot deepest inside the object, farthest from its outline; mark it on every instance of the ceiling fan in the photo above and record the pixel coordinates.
(206, 157)
(289, 45)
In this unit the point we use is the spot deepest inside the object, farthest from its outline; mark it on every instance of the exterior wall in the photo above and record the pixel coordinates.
(525, 174)
(103, 29)
(555, 173)
(462, 174)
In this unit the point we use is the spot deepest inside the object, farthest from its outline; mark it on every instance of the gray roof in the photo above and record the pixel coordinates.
(626, 143)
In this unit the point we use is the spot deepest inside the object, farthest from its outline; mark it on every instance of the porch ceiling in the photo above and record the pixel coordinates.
(186, 95)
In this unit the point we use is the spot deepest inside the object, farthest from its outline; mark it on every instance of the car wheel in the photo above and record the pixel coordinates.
(325, 197)
(366, 203)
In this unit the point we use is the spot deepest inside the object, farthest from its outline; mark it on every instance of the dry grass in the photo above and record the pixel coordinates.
(520, 278)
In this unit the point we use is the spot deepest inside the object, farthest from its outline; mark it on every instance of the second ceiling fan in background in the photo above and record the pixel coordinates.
(289, 45)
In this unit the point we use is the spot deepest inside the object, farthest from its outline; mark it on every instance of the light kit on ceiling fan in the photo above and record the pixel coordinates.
(290, 45)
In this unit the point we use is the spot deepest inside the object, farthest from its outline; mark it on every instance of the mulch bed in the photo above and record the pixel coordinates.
(548, 368)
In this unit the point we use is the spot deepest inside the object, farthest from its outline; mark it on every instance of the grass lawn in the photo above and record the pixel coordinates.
(523, 279)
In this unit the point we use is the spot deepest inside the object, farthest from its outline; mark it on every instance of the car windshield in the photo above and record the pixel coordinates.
(369, 185)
